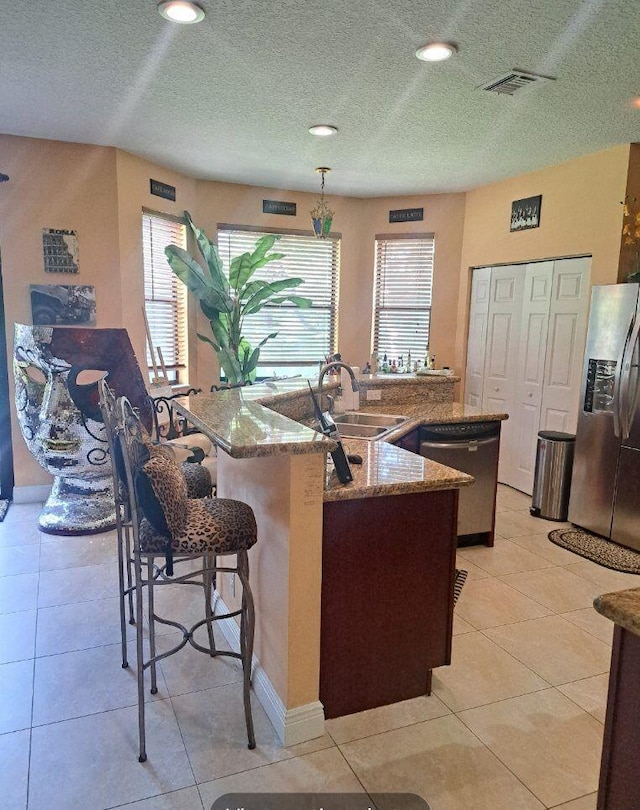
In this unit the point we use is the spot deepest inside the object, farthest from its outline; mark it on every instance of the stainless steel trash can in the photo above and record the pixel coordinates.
(552, 478)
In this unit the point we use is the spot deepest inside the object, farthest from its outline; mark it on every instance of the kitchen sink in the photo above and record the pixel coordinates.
(361, 431)
(377, 419)
(366, 425)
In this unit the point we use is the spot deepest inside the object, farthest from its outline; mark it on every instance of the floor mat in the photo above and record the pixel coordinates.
(597, 549)
(4, 505)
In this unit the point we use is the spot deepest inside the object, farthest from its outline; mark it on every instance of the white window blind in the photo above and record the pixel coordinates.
(305, 336)
(403, 289)
(165, 296)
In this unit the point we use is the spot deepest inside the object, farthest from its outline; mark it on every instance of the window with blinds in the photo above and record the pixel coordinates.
(305, 336)
(165, 296)
(403, 289)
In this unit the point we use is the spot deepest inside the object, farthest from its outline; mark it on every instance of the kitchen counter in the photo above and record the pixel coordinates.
(622, 607)
(267, 418)
(390, 470)
(244, 424)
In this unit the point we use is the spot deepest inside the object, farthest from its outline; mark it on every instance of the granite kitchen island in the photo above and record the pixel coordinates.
(386, 540)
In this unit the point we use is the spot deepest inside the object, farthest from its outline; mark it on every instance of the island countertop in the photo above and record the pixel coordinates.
(244, 423)
(390, 470)
(622, 607)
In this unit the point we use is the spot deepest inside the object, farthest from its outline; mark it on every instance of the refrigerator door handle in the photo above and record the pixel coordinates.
(627, 398)
(617, 392)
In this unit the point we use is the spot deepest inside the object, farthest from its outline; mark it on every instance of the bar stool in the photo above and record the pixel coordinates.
(161, 521)
(199, 485)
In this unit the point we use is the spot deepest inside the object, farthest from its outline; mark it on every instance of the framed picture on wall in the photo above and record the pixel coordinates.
(60, 250)
(63, 305)
(525, 213)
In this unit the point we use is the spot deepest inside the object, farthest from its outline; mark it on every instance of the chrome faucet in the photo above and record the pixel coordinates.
(336, 364)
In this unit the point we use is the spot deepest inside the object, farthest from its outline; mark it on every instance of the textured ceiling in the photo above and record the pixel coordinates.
(231, 98)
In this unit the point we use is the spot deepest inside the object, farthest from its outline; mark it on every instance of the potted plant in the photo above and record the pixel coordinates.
(227, 299)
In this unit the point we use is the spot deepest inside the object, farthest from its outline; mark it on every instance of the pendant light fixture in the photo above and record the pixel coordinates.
(322, 215)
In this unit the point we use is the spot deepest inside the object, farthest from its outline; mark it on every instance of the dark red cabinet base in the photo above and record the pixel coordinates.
(619, 787)
(388, 567)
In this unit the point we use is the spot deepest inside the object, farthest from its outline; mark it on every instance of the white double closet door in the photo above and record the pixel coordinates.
(527, 326)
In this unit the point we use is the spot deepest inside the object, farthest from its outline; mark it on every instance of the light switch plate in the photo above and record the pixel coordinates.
(374, 393)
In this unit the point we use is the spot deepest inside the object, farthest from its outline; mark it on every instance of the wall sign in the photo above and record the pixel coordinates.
(60, 250)
(525, 213)
(287, 209)
(163, 190)
(407, 215)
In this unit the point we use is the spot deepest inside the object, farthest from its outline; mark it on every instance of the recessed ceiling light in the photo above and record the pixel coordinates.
(181, 11)
(323, 130)
(436, 51)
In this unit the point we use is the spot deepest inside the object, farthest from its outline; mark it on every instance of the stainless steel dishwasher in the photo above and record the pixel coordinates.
(471, 447)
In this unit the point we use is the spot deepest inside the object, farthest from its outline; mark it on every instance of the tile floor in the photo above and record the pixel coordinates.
(514, 724)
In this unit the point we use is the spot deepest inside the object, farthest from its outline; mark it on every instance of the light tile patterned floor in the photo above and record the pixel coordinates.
(514, 723)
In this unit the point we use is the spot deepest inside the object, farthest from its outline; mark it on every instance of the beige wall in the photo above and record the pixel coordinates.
(358, 221)
(55, 185)
(580, 214)
(101, 191)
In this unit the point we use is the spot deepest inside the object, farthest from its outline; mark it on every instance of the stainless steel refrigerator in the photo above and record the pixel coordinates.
(605, 488)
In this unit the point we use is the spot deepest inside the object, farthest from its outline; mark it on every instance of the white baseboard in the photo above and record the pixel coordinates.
(33, 494)
(293, 726)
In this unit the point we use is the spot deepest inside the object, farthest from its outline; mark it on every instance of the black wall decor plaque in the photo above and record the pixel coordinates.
(163, 190)
(407, 215)
(287, 209)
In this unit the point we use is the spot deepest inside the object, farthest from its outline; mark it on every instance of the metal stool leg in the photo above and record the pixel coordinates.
(247, 628)
(142, 756)
(127, 535)
(208, 576)
(152, 626)
(123, 621)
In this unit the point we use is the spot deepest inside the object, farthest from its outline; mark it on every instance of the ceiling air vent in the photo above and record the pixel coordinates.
(515, 81)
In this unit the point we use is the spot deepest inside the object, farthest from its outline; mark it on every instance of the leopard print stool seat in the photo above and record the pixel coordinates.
(213, 525)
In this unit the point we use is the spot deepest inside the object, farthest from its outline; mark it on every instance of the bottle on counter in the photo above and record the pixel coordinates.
(433, 361)
(400, 365)
(409, 366)
(385, 364)
(394, 367)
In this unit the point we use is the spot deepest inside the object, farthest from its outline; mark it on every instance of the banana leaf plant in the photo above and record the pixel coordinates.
(227, 299)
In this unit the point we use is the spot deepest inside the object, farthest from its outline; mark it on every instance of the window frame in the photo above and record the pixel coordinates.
(176, 371)
(418, 346)
(281, 364)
